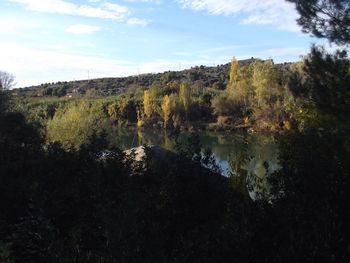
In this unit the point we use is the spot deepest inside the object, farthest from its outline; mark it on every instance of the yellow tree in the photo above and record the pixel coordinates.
(147, 104)
(185, 97)
(113, 112)
(234, 72)
(168, 106)
(239, 86)
(242, 90)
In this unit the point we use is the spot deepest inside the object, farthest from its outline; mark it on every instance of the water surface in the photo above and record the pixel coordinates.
(232, 151)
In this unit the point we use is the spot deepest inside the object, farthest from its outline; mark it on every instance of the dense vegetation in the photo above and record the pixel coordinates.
(68, 195)
(253, 94)
(258, 96)
(211, 77)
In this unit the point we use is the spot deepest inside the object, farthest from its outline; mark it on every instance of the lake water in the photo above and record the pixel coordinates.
(234, 152)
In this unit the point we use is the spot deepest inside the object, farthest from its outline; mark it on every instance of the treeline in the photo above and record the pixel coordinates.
(210, 77)
(259, 96)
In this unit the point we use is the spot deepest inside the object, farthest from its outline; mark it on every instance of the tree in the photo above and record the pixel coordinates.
(74, 124)
(147, 105)
(47, 91)
(59, 91)
(264, 81)
(224, 105)
(234, 72)
(241, 88)
(325, 82)
(7, 80)
(185, 97)
(325, 19)
(168, 106)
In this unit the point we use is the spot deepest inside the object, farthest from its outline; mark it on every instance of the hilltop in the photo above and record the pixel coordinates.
(204, 76)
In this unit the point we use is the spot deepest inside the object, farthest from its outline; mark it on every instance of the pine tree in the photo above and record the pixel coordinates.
(325, 18)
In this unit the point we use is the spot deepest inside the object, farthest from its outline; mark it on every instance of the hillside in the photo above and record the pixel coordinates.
(209, 77)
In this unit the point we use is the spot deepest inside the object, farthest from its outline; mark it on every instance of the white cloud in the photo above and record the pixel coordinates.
(145, 1)
(105, 11)
(33, 66)
(9, 25)
(275, 12)
(137, 22)
(82, 29)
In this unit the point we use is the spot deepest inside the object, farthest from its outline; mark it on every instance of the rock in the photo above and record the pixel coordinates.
(156, 152)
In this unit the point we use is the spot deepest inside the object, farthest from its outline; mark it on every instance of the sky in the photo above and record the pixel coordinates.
(63, 40)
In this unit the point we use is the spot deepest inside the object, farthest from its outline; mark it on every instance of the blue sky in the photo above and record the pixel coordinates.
(56, 40)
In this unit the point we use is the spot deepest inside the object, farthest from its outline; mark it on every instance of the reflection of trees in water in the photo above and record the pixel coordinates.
(223, 145)
(251, 158)
(141, 138)
(252, 162)
(169, 142)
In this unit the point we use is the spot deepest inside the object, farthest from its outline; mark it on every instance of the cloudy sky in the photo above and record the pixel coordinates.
(52, 40)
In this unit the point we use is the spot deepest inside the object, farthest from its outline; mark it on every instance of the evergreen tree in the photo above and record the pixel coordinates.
(325, 18)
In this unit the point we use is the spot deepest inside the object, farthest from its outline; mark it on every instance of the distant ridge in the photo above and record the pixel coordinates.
(210, 77)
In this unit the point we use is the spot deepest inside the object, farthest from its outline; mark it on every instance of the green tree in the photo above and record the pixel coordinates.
(74, 124)
(324, 82)
(242, 89)
(47, 91)
(59, 92)
(325, 18)
(264, 81)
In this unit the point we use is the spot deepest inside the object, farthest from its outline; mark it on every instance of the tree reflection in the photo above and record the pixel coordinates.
(253, 162)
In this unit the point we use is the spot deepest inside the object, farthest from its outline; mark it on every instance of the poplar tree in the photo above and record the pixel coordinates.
(168, 107)
(264, 80)
(147, 104)
(185, 97)
(234, 71)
